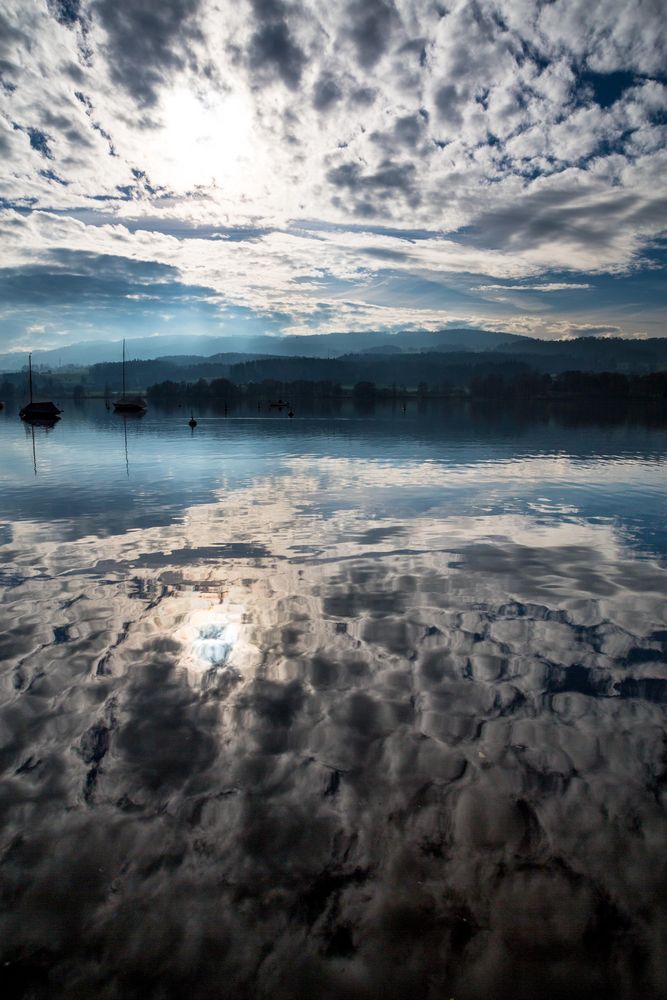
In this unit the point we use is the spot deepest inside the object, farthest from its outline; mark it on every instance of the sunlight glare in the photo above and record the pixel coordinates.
(210, 632)
(205, 138)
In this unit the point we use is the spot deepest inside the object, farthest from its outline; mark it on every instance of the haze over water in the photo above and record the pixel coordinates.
(352, 705)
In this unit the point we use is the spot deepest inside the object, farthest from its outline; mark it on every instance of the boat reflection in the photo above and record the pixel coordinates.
(45, 426)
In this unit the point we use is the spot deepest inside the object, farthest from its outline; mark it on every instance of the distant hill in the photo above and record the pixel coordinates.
(452, 368)
(382, 349)
(405, 359)
(316, 346)
(191, 360)
(475, 340)
(594, 354)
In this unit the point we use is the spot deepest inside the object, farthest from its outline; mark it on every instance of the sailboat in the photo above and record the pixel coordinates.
(45, 411)
(129, 404)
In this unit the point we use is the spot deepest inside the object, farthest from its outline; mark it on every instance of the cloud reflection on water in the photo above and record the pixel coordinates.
(366, 752)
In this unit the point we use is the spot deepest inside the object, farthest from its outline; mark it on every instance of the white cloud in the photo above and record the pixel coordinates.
(473, 125)
(549, 286)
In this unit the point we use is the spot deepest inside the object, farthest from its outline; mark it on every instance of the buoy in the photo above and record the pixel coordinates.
(192, 422)
(290, 414)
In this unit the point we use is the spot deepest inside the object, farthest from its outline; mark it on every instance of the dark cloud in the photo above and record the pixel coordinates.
(166, 738)
(64, 127)
(12, 39)
(389, 176)
(565, 212)
(51, 175)
(148, 41)
(363, 96)
(83, 99)
(447, 104)
(272, 51)
(371, 26)
(326, 92)
(78, 277)
(38, 140)
(409, 129)
(88, 106)
(408, 132)
(56, 120)
(74, 72)
(390, 179)
(67, 12)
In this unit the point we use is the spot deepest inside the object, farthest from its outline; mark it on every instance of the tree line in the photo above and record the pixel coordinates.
(478, 381)
(490, 385)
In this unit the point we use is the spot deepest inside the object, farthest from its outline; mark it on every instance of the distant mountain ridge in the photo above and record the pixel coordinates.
(443, 357)
(310, 345)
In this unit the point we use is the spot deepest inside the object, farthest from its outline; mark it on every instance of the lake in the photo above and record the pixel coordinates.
(353, 705)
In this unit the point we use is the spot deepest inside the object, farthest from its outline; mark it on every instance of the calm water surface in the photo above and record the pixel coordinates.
(364, 707)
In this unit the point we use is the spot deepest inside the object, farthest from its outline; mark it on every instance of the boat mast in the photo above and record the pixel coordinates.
(30, 375)
(123, 369)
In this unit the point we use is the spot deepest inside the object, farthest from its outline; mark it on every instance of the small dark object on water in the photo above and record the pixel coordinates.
(40, 411)
(192, 422)
(291, 413)
(46, 411)
(129, 404)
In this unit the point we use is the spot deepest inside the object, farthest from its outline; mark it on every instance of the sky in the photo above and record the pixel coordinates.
(259, 166)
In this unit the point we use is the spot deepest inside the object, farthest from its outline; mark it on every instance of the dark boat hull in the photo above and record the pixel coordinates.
(40, 411)
(130, 406)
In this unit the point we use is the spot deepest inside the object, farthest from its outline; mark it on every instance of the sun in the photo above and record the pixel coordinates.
(205, 139)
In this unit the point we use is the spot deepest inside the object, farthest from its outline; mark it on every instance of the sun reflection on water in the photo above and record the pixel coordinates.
(210, 631)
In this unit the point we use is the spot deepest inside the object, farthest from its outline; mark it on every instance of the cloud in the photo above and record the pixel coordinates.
(326, 92)
(389, 181)
(446, 102)
(527, 145)
(40, 141)
(67, 12)
(550, 286)
(370, 24)
(272, 49)
(318, 281)
(146, 43)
